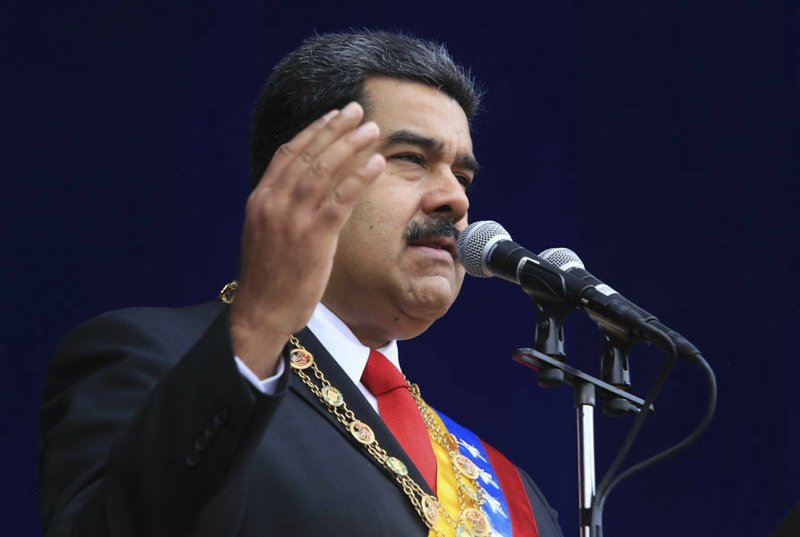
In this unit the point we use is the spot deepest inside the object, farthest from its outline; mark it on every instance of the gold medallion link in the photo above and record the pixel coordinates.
(475, 522)
(451, 442)
(332, 396)
(466, 466)
(301, 359)
(430, 508)
(396, 465)
(362, 432)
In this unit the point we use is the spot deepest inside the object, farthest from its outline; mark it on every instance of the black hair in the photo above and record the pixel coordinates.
(328, 71)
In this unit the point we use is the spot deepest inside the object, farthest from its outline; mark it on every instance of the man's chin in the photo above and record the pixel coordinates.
(430, 299)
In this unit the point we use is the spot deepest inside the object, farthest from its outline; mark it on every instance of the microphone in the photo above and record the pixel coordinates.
(485, 249)
(569, 262)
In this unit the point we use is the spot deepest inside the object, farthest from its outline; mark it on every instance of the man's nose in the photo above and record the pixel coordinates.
(446, 196)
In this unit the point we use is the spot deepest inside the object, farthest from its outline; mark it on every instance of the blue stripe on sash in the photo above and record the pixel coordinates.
(494, 506)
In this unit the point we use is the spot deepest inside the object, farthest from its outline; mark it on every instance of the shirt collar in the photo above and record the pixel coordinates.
(344, 346)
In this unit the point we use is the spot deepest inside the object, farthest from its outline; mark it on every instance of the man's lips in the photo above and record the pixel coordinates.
(447, 244)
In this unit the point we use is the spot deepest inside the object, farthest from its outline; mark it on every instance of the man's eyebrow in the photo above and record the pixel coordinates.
(404, 137)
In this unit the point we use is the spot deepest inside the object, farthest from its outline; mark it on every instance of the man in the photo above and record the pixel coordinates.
(189, 422)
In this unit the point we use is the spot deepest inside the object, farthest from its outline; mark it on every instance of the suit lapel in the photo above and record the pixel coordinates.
(355, 401)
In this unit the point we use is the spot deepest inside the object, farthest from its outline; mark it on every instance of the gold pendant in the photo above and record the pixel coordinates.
(396, 466)
(362, 432)
(452, 442)
(332, 396)
(475, 522)
(300, 359)
(430, 508)
(466, 466)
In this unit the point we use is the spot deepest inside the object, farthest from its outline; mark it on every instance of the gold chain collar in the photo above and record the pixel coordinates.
(472, 522)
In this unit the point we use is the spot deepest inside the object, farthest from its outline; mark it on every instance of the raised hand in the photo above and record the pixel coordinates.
(292, 222)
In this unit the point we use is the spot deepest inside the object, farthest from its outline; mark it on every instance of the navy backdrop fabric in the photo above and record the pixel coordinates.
(657, 139)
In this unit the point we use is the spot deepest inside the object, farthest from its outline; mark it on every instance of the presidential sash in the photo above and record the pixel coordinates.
(505, 505)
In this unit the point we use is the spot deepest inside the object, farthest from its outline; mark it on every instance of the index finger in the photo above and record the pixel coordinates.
(289, 151)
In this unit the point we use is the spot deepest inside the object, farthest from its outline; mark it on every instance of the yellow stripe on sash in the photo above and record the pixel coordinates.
(446, 485)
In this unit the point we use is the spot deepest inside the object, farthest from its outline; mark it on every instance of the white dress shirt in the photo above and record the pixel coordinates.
(341, 343)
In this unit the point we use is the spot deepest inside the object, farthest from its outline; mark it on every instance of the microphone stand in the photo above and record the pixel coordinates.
(584, 404)
(614, 369)
(549, 340)
(612, 389)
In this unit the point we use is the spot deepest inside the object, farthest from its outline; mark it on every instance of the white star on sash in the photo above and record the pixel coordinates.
(486, 477)
(494, 503)
(476, 454)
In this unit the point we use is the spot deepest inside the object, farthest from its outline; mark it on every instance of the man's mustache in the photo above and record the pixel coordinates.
(434, 227)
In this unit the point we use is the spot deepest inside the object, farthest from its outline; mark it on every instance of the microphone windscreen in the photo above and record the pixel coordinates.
(563, 258)
(473, 245)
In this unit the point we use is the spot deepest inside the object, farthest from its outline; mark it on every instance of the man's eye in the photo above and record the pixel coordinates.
(412, 158)
(465, 181)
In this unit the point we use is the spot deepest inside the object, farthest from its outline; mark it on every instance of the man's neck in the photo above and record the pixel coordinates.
(366, 337)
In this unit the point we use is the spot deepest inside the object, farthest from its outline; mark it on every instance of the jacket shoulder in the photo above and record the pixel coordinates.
(178, 328)
(153, 337)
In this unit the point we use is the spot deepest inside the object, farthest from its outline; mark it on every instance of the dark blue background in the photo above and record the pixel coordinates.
(657, 139)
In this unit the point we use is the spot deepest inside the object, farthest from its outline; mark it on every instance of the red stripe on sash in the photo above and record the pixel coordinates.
(522, 521)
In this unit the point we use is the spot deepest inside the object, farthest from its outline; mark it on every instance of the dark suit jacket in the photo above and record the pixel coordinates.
(148, 428)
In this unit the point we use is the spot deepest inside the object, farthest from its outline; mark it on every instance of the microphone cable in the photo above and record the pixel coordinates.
(609, 481)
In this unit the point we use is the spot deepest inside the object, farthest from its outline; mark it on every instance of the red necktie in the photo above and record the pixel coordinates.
(399, 411)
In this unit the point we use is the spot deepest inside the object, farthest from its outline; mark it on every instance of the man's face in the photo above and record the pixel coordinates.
(384, 285)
